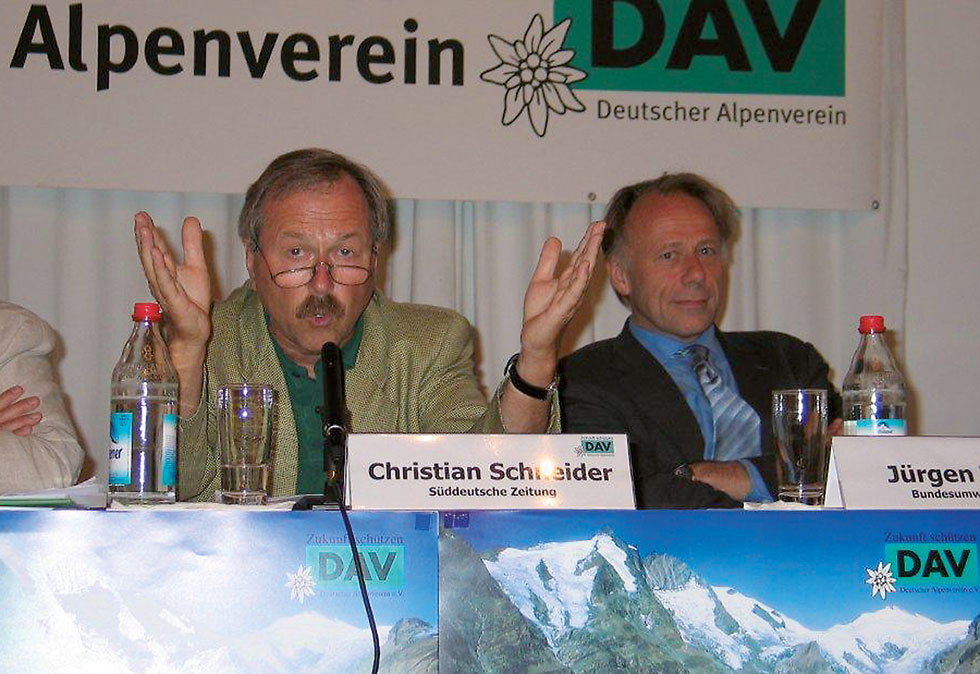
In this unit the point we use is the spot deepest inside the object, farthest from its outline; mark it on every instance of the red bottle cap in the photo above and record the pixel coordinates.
(871, 324)
(146, 311)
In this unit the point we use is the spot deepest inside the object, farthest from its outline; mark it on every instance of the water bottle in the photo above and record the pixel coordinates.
(143, 418)
(874, 388)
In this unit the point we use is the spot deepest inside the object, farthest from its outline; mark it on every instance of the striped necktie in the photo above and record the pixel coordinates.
(736, 423)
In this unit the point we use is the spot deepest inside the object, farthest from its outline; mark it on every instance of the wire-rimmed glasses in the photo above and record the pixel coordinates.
(341, 274)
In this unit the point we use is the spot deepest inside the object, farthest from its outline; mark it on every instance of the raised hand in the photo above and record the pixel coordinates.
(17, 414)
(184, 292)
(551, 300)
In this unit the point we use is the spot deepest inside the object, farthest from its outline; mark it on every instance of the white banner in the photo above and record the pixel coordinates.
(903, 473)
(562, 101)
(488, 472)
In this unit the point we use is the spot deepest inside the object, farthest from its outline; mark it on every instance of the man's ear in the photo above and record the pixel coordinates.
(250, 261)
(618, 278)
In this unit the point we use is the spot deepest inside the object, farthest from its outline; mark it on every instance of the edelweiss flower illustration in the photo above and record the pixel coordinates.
(300, 584)
(534, 73)
(881, 580)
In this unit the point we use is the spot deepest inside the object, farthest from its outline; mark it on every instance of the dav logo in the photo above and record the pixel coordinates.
(778, 47)
(920, 566)
(925, 565)
(596, 444)
(332, 566)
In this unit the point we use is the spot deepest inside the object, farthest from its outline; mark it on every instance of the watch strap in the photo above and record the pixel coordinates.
(525, 387)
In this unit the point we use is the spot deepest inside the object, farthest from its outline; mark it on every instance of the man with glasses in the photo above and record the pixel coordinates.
(311, 226)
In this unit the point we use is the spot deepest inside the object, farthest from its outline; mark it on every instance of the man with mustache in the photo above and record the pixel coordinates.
(694, 401)
(311, 226)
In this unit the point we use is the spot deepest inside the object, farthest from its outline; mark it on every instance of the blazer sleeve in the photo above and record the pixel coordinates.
(815, 373)
(798, 364)
(450, 400)
(592, 405)
(50, 456)
(197, 464)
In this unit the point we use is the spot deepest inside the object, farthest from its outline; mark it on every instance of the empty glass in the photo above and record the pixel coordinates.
(799, 426)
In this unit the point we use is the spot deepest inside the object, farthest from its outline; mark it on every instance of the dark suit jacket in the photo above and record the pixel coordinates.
(617, 386)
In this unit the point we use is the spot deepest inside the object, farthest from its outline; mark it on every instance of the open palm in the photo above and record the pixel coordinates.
(551, 299)
(183, 290)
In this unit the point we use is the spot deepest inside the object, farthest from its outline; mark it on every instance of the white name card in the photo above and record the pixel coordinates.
(488, 472)
(923, 473)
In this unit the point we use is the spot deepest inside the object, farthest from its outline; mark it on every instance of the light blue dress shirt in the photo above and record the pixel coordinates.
(668, 352)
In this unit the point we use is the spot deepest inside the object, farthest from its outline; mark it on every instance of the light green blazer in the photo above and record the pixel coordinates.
(414, 374)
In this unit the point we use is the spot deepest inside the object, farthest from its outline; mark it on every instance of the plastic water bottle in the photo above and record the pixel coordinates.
(143, 419)
(874, 388)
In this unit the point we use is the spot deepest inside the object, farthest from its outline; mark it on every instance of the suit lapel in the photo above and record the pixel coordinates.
(663, 404)
(372, 406)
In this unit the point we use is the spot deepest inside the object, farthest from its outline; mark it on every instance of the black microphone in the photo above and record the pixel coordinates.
(334, 415)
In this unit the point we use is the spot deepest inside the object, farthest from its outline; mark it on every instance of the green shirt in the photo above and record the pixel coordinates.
(306, 395)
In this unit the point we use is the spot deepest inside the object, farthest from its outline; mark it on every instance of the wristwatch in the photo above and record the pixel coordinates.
(526, 388)
(684, 471)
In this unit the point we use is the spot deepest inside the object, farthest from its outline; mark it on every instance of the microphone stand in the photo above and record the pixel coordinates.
(334, 416)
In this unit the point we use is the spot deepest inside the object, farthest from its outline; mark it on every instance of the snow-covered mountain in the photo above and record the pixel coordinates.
(76, 595)
(760, 622)
(552, 584)
(577, 593)
(890, 640)
(306, 642)
(87, 626)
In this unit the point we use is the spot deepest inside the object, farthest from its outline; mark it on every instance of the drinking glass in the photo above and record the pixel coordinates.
(799, 426)
(244, 438)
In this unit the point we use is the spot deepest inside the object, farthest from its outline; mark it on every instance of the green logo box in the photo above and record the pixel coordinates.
(332, 567)
(925, 565)
(598, 444)
(783, 47)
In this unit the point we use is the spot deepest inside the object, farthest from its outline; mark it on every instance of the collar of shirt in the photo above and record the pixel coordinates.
(667, 349)
(306, 395)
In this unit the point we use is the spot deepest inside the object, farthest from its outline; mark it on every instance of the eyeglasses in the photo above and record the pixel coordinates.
(341, 274)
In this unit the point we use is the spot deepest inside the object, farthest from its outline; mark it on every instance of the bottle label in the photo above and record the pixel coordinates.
(168, 468)
(120, 448)
(875, 427)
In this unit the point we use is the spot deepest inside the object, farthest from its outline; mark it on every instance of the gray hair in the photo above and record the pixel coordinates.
(718, 203)
(307, 169)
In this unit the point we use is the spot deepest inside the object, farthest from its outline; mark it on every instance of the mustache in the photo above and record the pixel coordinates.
(328, 305)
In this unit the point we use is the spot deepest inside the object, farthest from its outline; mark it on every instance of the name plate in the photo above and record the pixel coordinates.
(923, 473)
(488, 472)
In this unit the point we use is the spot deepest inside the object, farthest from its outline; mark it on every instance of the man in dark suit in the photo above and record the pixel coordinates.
(694, 401)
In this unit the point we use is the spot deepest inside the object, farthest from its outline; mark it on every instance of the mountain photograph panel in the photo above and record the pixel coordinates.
(681, 591)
